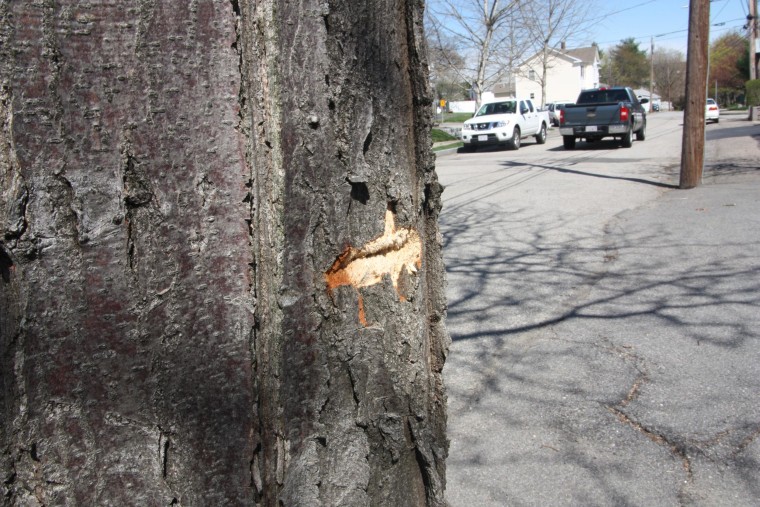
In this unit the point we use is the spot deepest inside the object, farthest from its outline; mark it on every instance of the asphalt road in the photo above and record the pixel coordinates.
(605, 325)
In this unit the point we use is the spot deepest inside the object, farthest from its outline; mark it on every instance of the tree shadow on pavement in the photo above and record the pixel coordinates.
(532, 279)
(733, 167)
(569, 376)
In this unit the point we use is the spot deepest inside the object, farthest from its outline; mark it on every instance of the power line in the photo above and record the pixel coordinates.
(604, 16)
(644, 37)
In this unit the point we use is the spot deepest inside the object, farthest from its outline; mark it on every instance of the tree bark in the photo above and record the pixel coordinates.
(222, 281)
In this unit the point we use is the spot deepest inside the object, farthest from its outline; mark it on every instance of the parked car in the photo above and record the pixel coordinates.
(604, 112)
(712, 111)
(554, 108)
(505, 122)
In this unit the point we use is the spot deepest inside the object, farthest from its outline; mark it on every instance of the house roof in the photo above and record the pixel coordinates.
(643, 92)
(503, 88)
(586, 55)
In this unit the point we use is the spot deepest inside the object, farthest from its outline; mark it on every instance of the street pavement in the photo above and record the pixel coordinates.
(605, 324)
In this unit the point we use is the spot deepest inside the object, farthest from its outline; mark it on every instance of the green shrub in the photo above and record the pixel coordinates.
(753, 92)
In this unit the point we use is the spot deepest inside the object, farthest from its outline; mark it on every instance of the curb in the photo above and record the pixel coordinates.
(450, 151)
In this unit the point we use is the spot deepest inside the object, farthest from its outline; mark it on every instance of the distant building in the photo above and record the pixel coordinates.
(568, 72)
(643, 93)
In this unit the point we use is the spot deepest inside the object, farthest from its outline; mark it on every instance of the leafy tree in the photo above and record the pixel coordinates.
(729, 65)
(626, 64)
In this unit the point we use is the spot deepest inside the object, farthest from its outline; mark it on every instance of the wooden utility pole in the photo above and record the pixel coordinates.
(692, 150)
(752, 24)
(651, 76)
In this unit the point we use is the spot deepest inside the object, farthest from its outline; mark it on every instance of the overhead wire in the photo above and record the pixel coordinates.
(647, 37)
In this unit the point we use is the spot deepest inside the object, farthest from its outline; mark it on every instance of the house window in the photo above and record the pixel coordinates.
(532, 75)
(583, 72)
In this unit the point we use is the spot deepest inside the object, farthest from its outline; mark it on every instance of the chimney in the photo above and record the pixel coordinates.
(564, 46)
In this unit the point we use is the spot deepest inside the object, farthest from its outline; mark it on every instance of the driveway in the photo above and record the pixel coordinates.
(605, 325)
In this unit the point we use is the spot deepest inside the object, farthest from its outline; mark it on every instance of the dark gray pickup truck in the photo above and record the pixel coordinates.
(604, 112)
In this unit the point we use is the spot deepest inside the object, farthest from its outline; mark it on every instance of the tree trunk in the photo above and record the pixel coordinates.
(222, 281)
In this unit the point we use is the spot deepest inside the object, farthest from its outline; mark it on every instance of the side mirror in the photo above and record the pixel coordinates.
(644, 101)
(523, 110)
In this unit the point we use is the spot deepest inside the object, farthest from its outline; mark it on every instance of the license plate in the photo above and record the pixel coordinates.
(591, 128)
(482, 138)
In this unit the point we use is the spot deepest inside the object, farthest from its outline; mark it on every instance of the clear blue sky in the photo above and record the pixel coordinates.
(666, 20)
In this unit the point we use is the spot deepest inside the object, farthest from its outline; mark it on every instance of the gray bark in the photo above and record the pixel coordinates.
(185, 188)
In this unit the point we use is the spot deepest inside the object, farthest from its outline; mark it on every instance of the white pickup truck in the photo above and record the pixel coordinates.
(507, 122)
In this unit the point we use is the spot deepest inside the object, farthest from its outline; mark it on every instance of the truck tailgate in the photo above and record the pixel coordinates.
(592, 114)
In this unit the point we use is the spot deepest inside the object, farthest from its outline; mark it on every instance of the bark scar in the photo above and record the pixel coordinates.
(396, 251)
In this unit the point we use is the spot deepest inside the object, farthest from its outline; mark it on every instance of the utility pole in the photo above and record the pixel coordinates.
(651, 75)
(693, 146)
(752, 24)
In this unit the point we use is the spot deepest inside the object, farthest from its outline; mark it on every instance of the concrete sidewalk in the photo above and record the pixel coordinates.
(646, 390)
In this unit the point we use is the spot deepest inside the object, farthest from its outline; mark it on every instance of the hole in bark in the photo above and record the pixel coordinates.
(165, 464)
(6, 265)
(331, 104)
(359, 192)
(235, 7)
(367, 142)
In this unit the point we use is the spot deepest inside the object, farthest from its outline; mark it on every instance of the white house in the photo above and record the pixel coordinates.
(643, 93)
(568, 72)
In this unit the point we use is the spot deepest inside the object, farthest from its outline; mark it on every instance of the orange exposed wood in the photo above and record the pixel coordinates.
(392, 253)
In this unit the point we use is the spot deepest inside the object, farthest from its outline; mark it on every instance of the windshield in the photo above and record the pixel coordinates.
(497, 108)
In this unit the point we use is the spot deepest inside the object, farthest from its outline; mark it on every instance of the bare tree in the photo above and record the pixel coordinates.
(550, 23)
(445, 64)
(221, 279)
(483, 32)
(670, 74)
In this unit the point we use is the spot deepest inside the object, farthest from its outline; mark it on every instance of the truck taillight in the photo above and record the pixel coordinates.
(625, 113)
(561, 116)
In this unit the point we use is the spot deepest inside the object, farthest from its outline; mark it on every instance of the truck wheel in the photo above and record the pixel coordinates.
(514, 143)
(569, 142)
(541, 136)
(627, 140)
(642, 133)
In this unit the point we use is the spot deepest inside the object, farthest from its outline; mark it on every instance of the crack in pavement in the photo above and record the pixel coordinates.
(675, 449)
